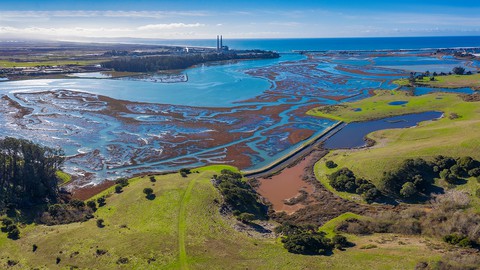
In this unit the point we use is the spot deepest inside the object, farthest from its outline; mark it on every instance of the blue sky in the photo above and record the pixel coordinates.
(236, 19)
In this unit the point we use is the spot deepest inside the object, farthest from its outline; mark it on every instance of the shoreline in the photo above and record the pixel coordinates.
(295, 154)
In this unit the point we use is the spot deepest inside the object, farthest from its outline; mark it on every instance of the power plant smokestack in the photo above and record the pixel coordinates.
(218, 43)
(221, 42)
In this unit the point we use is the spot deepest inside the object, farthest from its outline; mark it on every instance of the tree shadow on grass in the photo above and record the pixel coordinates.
(151, 197)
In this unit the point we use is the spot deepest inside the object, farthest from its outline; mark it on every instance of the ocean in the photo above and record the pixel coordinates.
(324, 44)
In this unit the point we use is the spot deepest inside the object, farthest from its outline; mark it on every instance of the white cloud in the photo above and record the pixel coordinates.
(98, 13)
(167, 26)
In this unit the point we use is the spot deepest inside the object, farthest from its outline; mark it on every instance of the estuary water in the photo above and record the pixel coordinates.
(208, 85)
(244, 113)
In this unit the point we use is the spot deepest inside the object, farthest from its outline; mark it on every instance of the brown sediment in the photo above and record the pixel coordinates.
(286, 185)
(22, 111)
(89, 191)
(238, 155)
(336, 98)
(471, 98)
(361, 72)
(297, 135)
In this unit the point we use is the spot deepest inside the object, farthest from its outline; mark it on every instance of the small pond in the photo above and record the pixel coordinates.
(397, 103)
(353, 134)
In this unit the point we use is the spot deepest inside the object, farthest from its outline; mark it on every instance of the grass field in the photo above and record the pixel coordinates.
(448, 81)
(450, 137)
(378, 106)
(63, 178)
(182, 228)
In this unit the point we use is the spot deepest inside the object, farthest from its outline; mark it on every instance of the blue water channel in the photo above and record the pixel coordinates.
(353, 134)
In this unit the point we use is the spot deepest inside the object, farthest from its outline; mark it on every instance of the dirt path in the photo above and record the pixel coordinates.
(182, 223)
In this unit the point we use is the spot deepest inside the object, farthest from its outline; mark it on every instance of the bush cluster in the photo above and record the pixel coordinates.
(120, 184)
(457, 239)
(239, 195)
(411, 177)
(9, 227)
(447, 219)
(64, 213)
(306, 240)
(345, 180)
(451, 169)
(185, 172)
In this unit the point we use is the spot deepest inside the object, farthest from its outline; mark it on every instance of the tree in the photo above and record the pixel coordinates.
(458, 70)
(118, 188)
(185, 172)
(340, 241)
(92, 204)
(122, 182)
(371, 195)
(408, 190)
(28, 173)
(148, 191)
(101, 201)
(307, 242)
(330, 164)
(343, 180)
(13, 233)
(448, 176)
(239, 195)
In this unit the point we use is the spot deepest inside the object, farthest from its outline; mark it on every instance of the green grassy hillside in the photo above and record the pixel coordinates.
(182, 228)
(456, 134)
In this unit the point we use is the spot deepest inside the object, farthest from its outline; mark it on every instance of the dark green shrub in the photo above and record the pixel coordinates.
(122, 260)
(92, 204)
(239, 195)
(309, 243)
(371, 195)
(457, 170)
(77, 203)
(118, 188)
(152, 179)
(343, 180)
(340, 241)
(474, 172)
(7, 221)
(100, 222)
(123, 182)
(101, 252)
(101, 201)
(458, 70)
(185, 172)
(148, 191)
(330, 164)
(13, 232)
(443, 162)
(457, 239)
(408, 190)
